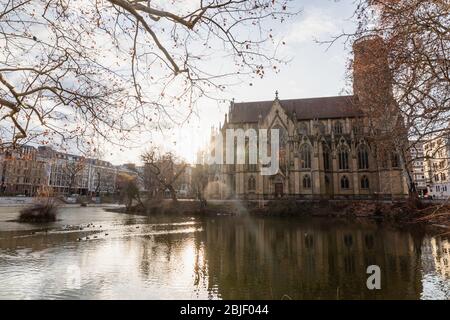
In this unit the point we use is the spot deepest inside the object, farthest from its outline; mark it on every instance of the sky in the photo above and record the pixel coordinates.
(314, 70)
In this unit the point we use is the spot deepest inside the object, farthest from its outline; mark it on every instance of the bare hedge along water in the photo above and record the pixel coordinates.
(90, 253)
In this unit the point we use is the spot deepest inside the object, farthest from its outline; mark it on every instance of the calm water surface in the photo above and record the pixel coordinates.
(134, 257)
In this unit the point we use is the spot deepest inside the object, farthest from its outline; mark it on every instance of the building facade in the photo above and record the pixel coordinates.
(102, 177)
(65, 173)
(22, 172)
(26, 170)
(417, 166)
(325, 149)
(437, 167)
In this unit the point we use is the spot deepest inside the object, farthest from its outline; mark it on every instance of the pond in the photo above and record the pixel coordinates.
(90, 253)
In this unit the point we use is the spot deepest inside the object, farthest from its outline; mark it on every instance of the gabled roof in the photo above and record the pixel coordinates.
(311, 108)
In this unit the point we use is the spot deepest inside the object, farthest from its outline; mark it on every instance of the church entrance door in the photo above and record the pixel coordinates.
(278, 190)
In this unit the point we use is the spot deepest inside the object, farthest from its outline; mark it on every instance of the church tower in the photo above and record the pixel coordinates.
(373, 89)
(372, 82)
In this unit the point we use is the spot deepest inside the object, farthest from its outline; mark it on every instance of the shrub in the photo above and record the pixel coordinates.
(39, 212)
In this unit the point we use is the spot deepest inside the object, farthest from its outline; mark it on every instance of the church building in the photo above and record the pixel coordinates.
(326, 149)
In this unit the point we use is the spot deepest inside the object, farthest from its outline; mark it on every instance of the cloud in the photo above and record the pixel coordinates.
(314, 24)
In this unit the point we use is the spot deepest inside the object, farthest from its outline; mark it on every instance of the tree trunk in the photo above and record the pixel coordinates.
(173, 193)
(412, 190)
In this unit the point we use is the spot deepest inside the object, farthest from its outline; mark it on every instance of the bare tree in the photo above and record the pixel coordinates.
(92, 70)
(163, 170)
(128, 190)
(200, 180)
(72, 169)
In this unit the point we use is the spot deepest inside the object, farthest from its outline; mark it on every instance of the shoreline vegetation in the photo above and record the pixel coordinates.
(396, 211)
(403, 212)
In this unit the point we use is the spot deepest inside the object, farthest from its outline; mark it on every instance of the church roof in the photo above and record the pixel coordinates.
(311, 108)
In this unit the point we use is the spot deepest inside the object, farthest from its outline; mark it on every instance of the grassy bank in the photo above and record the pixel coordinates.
(165, 206)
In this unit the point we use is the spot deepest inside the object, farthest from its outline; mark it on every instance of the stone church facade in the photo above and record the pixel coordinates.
(325, 152)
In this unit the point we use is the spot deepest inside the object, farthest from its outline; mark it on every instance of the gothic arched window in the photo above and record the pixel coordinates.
(358, 127)
(345, 183)
(338, 127)
(343, 159)
(321, 127)
(251, 183)
(306, 182)
(364, 182)
(326, 158)
(305, 156)
(363, 157)
(394, 160)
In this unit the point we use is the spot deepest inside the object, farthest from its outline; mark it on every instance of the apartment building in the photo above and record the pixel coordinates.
(417, 165)
(22, 172)
(25, 170)
(437, 167)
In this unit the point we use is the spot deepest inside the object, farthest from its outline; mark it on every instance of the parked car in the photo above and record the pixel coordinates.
(71, 199)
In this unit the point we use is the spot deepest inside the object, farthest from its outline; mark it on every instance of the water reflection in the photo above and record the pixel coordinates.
(132, 257)
(436, 269)
(273, 258)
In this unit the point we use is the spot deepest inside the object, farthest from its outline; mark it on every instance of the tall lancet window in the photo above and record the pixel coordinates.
(364, 182)
(338, 128)
(343, 158)
(305, 156)
(395, 161)
(252, 183)
(345, 183)
(326, 158)
(363, 157)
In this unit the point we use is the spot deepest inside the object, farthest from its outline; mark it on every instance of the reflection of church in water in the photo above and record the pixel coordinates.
(324, 150)
(272, 259)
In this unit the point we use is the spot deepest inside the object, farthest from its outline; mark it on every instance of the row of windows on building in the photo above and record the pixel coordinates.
(441, 165)
(306, 182)
(338, 128)
(23, 164)
(441, 177)
(343, 158)
(26, 171)
(441, 188)
(432, 144)
(25, 180)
